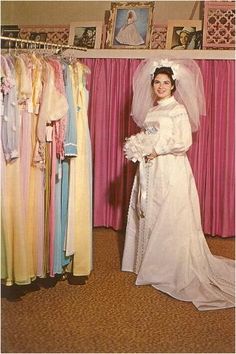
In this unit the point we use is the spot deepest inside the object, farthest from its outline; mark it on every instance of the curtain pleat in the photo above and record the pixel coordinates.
(211, 155)
(216, 143)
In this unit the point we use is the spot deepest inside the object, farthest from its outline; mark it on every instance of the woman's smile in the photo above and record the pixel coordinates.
(162, 86)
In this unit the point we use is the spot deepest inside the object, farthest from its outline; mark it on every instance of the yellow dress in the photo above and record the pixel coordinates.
(81, 182)
(35, 214)
(17, 242)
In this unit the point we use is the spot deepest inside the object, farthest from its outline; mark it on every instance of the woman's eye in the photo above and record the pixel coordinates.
(164, 82)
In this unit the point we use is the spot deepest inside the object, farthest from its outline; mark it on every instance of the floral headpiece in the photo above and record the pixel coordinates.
(166, 63)
(189, 88)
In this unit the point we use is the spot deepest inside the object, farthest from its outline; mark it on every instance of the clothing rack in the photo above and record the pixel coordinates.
(47, 45)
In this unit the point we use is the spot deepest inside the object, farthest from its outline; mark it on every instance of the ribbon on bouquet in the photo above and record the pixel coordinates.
(144, 173)
(136, 147)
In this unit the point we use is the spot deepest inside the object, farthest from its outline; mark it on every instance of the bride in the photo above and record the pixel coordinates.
(165, 245)
(128, 34)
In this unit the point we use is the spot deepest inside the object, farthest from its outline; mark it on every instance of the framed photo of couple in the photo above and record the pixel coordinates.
(130, 25)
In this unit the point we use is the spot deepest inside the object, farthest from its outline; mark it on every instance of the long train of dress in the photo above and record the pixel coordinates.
(165, 245)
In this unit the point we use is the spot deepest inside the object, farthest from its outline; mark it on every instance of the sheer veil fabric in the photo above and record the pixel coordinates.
(189, 88)
(165, 245)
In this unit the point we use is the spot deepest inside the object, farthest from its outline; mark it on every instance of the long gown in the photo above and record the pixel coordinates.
(129, 34)
(165, 245)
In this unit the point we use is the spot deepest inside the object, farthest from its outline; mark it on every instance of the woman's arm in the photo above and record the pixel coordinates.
(177, 140)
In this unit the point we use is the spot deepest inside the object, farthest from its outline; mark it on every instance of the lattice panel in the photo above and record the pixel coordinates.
(53, 34)
(219, 25)
(158, 37)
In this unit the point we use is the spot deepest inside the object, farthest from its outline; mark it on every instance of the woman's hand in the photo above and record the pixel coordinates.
(151, 156)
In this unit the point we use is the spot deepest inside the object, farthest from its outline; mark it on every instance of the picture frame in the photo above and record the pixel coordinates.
(11, 31)
(38, 37)
(86, 34)
(130, 25)
(184, 34)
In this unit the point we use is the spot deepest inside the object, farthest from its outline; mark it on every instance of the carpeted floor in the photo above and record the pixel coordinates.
(109, 314)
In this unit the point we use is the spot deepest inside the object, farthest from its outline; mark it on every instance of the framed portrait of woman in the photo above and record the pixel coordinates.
(184, 34)
(130, 25)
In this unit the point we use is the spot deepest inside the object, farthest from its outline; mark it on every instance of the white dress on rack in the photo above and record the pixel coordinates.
(165, 245)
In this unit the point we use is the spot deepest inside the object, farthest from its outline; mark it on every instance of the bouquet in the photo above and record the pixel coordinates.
(138, 146)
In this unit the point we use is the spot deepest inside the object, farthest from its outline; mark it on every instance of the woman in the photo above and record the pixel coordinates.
(165, 245)
(128, 34)
(186, 38)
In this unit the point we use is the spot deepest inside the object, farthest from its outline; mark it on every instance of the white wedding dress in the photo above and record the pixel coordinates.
(165, 245)
(129, 34)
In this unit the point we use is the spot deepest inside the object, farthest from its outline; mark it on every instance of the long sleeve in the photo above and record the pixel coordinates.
(10, 119)
(175, 139)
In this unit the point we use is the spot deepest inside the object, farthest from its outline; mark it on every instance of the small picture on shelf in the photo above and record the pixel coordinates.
(85, 35)
(186, 34)
(11, 31)
(38, 37)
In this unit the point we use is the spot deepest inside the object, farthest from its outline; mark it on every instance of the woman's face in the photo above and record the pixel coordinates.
(162, 86)
(184, 37)
(130, 15)
(89, 33)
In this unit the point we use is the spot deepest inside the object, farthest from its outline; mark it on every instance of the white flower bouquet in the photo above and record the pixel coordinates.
(138, 146)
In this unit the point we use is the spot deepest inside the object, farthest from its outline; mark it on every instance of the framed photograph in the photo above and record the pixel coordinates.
(11, 31)
(38, 36)
(184, 34)
(130, 25)
(86, 34)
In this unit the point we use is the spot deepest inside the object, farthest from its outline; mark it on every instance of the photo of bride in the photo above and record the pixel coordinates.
(130, 25)
(128, 33)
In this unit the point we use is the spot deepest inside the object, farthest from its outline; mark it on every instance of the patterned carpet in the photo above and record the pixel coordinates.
(109, 314)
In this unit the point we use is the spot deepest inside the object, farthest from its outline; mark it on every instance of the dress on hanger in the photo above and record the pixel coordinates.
(10, 128)
(79, 233)
(165, 245)
(35, 187)
(18, 244)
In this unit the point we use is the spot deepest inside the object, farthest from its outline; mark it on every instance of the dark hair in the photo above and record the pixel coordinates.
(169, 72)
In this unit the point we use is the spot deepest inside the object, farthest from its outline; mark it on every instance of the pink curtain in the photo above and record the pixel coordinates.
(211, 156)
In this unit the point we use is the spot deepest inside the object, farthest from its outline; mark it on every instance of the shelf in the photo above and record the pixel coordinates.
(149, 53)
(140, 53)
